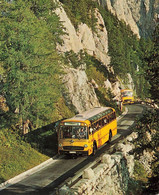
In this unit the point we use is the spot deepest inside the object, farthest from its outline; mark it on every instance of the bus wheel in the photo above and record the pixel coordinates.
(94, 149)
(110, 136)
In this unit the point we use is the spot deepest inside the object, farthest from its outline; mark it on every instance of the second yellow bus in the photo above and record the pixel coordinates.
(127, 96)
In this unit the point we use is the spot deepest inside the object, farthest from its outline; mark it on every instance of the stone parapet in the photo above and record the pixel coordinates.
(111, 176)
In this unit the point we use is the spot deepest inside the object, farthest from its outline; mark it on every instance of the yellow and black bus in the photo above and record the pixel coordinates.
(86, 132)
(127, 96)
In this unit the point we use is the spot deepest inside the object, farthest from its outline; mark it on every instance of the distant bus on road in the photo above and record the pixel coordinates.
(86, 132)
(127, 96)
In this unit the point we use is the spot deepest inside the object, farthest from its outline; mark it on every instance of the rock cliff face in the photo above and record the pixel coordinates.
(82, 94)
(95, 44)
(140, 15)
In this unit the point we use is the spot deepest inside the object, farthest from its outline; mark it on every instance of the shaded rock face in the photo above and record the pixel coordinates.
(71, 40)
(81, 92)
(95, 44)
(129, 84)
(140, 15)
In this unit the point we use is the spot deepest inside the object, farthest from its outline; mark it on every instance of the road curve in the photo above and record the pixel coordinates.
(45, 181)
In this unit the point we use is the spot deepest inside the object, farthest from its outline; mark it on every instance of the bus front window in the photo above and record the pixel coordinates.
(74, 132)
(127, 94)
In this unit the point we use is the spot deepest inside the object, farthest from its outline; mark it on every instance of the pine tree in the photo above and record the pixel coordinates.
(153, 68)
(28, 53)
(81, 11)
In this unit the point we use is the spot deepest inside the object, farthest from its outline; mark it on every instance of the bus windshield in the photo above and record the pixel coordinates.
(73, 132)
(127, 94)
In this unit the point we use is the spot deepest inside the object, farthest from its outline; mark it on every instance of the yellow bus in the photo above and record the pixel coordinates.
(127, 96)
(86, 132)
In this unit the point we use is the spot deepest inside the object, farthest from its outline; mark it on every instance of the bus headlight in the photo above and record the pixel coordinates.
(60, 145)
(85, 146)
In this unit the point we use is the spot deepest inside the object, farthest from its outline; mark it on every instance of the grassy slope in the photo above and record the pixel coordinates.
(16, 156)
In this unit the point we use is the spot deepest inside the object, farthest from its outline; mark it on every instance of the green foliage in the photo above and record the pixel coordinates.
(148, 138)
(122, 43)
(149, 123)
(153, 182)
(30, 60)
(81, 11)
(16, 155)
(153, 68)
(134, 187)
(74, 59)
(44, 10)
(99, 73)
(95, 67)
(139, 172)
(64, 110)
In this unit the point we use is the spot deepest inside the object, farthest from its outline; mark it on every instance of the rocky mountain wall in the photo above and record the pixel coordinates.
(81, 91)
(140, 15)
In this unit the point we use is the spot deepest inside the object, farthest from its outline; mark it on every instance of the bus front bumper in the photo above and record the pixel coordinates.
(128, 102)
(83, 153)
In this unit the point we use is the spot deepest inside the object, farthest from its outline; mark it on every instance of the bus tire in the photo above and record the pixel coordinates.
(94, 149)
(110, 136)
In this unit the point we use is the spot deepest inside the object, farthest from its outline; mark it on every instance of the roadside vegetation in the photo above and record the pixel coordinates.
(30, 85)
(98, 73)
(146, 175)
(147, 127)
(81, 11)
(16, 156)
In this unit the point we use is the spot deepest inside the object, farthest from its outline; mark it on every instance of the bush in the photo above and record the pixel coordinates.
(139, 172)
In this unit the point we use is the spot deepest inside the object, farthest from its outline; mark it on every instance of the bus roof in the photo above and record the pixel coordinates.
(126, 90)
(91, 114)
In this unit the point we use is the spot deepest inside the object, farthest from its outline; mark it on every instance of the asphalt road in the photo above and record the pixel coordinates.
(45, 181)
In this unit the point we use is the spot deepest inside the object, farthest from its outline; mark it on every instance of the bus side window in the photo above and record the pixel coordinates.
(102, 122)
(114, 115)
(105, 121)
(109, 118)
(97, 125)
(90, 130)
(61, 132)
(93, 127)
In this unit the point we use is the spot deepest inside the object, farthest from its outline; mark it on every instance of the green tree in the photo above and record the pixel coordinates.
(28, 53)
(153, 67)
(81, 11)
(128, 53)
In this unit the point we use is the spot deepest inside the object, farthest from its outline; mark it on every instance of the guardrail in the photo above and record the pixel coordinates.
(148, 103)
